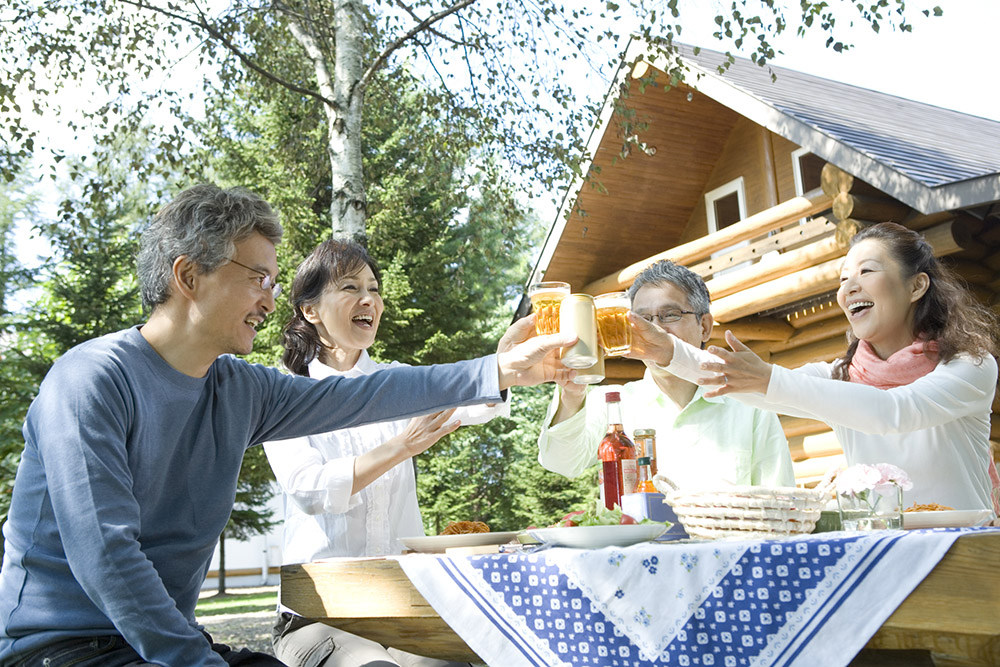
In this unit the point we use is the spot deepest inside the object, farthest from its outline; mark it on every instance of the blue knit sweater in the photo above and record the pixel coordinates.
(129, 475)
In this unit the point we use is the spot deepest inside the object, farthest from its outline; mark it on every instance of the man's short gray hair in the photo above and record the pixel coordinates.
(204, 223)
(665, 271)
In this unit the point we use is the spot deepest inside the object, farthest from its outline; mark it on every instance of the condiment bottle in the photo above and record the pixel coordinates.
(617, 455)
(645, 445)
(645, 479)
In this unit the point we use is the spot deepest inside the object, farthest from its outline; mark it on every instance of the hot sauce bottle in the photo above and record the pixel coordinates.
(617, 455)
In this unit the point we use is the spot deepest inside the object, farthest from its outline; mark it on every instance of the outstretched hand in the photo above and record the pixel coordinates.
(740, 371)
(525, 359)
(649, 342)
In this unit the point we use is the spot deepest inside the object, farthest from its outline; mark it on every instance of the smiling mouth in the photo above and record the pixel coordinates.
(859, 306)
(366, 320)
(253, 322)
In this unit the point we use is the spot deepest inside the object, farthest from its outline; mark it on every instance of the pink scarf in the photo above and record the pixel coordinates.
(902, 367)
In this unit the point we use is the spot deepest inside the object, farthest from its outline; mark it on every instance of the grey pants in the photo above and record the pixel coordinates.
(302, 643)
(113, 651)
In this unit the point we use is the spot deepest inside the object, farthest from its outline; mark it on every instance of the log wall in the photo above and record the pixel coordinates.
(781, 302)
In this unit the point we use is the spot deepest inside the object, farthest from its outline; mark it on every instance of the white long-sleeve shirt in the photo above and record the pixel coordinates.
(322, 518)
(936, 428)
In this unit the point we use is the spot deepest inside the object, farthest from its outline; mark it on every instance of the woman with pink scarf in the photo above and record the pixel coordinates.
(915, 387)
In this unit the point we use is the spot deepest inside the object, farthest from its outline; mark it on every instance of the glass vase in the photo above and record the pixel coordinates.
(871, 510)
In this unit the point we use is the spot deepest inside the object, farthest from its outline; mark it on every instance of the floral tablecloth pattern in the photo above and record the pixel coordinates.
(811, 600)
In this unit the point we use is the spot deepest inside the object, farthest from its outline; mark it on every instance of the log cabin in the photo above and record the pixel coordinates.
(756, 178)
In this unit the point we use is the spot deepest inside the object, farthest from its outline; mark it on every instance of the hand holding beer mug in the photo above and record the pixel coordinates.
(545, 299)
(612, 323)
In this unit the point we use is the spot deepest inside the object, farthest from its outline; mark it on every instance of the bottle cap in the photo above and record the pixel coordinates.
(644, 432)
(612, 397)
(643, 461)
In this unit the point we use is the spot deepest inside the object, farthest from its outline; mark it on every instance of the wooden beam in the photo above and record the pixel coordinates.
(878, 209)
(700, 248)
(993, 261)
(946, 238)
(833, 180)
(813, 314)
(782, 265)
(822, 330)
(814, 446)
(814, 468)
(800, 426)
(975, 273)
(623, 370)
(762, 328)
(919, 222)
(823, 350)
(779, 292)
(785, 240)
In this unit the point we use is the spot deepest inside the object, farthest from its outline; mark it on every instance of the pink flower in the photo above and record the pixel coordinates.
(892, 476)
(857, 479)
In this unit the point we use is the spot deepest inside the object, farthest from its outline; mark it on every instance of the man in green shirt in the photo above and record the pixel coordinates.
(699, 441)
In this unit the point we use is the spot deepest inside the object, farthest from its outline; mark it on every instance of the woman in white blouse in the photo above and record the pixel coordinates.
(915, 387)
(350, 492)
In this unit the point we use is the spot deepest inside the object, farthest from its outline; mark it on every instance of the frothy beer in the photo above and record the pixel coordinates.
(612, 323)
(545, 300)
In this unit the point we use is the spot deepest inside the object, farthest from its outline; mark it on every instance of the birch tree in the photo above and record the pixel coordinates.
(504, 63)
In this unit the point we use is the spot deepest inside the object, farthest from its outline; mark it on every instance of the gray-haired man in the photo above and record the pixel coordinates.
(699, 440)
(134, 443)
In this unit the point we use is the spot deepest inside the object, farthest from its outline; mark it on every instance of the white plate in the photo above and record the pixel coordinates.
(595, 537)
(946, 519)
(438, 543)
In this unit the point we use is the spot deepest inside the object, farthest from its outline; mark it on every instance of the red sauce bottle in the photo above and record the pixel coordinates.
(617, 455)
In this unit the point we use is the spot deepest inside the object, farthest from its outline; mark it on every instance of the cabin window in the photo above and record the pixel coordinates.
(806, 168)
(724, 206)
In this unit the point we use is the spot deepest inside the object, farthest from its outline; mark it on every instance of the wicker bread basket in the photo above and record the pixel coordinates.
(744, 512)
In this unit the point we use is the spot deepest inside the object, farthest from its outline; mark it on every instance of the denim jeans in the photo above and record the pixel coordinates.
(113, 651)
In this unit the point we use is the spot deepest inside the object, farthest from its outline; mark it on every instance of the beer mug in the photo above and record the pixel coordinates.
(577, 316)
(612, 323)
(545, 300)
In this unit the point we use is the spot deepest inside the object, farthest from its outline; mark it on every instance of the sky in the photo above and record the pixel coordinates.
(946, 61)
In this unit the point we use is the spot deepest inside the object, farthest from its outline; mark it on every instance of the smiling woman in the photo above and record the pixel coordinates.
(915, 387)
(350, 492)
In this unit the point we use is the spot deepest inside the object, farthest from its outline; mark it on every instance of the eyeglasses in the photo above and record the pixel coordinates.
(668, 316)
(265, 280)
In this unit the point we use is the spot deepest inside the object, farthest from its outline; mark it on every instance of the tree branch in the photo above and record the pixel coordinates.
(214, 32)
(413, 15)
(415, 30)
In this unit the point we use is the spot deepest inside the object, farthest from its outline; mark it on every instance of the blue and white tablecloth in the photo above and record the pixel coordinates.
(812, 600)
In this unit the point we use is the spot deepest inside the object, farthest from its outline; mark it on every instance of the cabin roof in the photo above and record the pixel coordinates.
(929, 157)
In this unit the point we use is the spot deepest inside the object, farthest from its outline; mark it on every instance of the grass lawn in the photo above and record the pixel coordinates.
(236, 602)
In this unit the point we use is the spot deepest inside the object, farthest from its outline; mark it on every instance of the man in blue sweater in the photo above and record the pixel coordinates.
(134, 443)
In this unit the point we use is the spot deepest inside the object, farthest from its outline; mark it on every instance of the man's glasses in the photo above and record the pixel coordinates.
(265, 279)
(668, 316)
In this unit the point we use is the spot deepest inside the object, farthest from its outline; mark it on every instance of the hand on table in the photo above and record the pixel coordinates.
(740, 370)
(526, 359)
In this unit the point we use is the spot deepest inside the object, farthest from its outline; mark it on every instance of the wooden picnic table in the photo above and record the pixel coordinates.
(954, 614)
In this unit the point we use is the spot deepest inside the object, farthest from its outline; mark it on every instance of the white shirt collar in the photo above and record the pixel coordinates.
(364, 366)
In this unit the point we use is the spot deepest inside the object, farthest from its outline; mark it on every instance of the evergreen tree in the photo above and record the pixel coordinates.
(20, 367)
